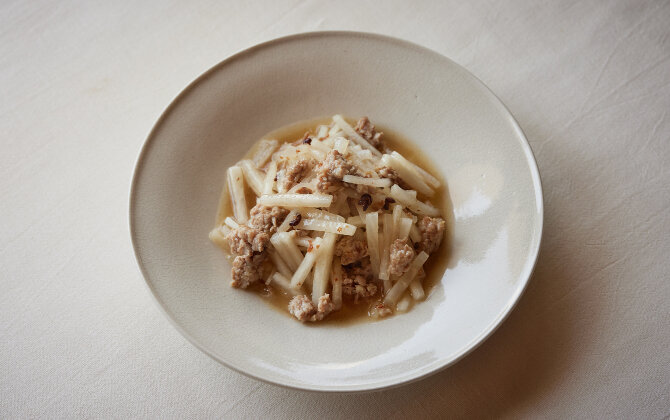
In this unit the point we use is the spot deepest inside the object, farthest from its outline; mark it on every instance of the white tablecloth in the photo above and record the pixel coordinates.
(81, 85)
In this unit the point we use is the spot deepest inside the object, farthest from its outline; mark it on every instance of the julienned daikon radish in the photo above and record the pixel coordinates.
(328, 194)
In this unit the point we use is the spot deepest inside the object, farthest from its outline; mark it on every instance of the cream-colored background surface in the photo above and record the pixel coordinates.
(81, 85)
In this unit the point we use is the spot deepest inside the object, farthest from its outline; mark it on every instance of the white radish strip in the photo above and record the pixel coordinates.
(403, 282)
(269, 279)
(291, 247)
(231, 222)
(282, 250)
(218, 237)
(322, 267)
(356, 221)
(335, 131)
(296, 200)
(279, 263)
(236, 190)
(430, 179)
(322, 131)
(404, 228)
(349, 131)
(405, 171)
(320, 146)
(415, 234)
(366, 155)
(265, 149)
(363, 166)
(308, 282)
(372, 236)
(255, 178)
(329, 141)
(283, 283)
(303, 242)
(305, 266)
(373, 182)
(417, 290)
(329, 226)
(336, 279)
(404, 197)
(384, 246)
(310, 213)
(318, 154)
(403, 304)
(397, 215)
(311, 185)
(387, 285)
(285, 225)
(424, 209)
(341, 144)
(269, 181)
(361, 213)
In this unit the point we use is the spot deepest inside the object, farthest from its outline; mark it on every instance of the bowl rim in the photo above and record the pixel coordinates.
(431, 369)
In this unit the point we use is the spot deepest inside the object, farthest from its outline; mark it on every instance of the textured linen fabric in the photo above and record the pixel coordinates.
(82, 83)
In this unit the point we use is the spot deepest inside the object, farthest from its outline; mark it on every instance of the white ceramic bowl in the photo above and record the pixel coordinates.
(491, 174)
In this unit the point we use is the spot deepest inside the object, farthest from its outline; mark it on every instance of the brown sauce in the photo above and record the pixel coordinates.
(355, 312)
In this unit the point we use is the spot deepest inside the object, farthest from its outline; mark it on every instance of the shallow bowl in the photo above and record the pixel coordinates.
(482, 153)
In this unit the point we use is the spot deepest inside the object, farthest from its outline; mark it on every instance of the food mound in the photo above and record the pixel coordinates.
(339, 218)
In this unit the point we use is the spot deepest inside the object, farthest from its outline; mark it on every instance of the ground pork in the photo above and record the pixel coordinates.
(246, 241)
(350, 249)
(367, 130)
(266, 218)
(432, 232)
(247, 269)
(358, 280)
(303, 190)
(390, 173)
(400, 257)
(304, 309)
(294, 173)
(331, 171)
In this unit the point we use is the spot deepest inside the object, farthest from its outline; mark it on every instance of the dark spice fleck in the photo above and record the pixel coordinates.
(295, 221)
(275, 178)
(365, 201)
(387, 201)
(416, 245)
(308, 140)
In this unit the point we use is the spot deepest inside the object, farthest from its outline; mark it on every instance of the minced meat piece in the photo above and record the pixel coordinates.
(350, 249)
(331, 171)
(367, 130)
(266, 218)
(432, 231)
(294, 173)
(386, 172)
(324, 307)
(303, 190)
(359, 287)
(390, 173)
(400, 257)
(247, 269)
(303, 308)
(247, 241)
(358, 280)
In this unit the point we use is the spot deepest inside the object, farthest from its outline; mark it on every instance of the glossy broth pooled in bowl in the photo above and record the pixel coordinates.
(354, 307)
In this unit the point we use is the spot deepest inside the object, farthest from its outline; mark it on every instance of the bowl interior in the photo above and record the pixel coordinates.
(490, 172)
